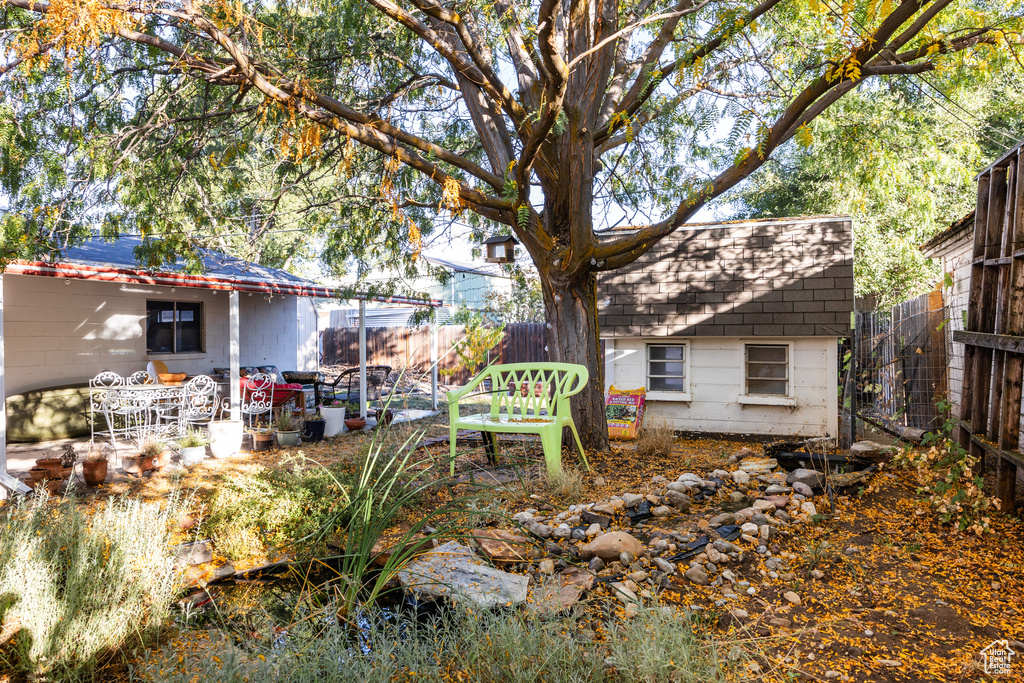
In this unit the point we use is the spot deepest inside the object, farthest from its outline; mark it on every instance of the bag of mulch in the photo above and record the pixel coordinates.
(624, 411)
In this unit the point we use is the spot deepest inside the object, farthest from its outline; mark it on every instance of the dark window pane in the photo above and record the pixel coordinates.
(777, 354)
(769, 387)
(665, 352)
(159, 326)
(667, 384)
(658, 368)
(767, 371)
(190, 327)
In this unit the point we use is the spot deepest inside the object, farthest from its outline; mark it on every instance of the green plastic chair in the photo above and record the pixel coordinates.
(526, 398)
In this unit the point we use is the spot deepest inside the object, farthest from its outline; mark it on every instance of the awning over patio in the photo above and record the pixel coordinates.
(114, 261)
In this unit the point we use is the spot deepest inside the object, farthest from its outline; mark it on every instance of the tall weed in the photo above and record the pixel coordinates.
(654, 647)
(76, 589)
(655, 439)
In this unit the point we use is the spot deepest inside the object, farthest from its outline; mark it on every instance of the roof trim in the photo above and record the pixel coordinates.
(751, 222)
(1001, 160)
(947, 235)
(128, 275)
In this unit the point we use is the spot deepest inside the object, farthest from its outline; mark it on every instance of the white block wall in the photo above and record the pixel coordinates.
(57, 333)
(715, 367)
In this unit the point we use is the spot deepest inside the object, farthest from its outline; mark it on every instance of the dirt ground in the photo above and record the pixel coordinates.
(901, 598)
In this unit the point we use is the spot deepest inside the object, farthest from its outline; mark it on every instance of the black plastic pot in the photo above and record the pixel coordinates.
(313, 430)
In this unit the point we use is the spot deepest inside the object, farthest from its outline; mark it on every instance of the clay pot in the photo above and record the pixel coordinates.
(354, 423)
(53, 485)
(262, 442)
(94, 472)
(163, 460)
(51, 464)
(38, 474)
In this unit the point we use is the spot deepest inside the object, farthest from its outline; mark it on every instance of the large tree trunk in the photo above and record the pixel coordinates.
(573, 338)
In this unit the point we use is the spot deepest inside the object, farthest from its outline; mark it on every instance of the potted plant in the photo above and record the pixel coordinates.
(334, 417)
(262, 437)
(357, 421)
(67, 461)
(52, 465)
(94, 465)
(193, 447)
(287, 428)
(313, 427)
(225, 438)
(153, 454)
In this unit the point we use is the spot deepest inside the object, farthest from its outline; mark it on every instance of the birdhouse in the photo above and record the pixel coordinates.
(501, 249)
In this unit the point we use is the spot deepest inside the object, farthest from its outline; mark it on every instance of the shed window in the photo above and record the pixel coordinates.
(666, 367)
(767, 369)
(174, 327)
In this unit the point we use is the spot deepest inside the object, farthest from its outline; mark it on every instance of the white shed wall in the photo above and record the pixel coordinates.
(715, 367)
(956, 259)
(57, 333)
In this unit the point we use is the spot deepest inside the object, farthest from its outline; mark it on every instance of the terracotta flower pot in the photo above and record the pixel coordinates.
(38, 474)
(94, 472)
(53, 485)
(163, 460)
(262, 442)
(354, 423)
(51, 464)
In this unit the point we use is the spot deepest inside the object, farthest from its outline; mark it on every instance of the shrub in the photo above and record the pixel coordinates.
(655, 439)
(81, 588)
(277, 506)
(948, 475)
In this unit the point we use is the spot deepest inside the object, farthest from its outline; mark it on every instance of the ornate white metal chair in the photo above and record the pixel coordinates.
(99, 387)
(127, 414)
(140, 377)
(199, 402)
(257, 396)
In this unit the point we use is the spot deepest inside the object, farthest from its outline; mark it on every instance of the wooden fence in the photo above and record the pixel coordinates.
(409, 347)
(990, 399)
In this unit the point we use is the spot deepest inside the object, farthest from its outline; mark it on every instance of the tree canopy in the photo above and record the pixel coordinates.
(368, 122)
(900, 158)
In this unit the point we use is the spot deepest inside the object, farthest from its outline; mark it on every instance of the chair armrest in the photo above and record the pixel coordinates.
(581, 381)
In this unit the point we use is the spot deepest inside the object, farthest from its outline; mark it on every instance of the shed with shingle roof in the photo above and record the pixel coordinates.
(751, 313)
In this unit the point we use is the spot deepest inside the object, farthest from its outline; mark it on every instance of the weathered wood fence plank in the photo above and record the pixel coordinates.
(409, 347)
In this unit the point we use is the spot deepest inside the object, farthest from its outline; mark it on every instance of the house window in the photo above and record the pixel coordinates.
(767, 369)
(174, 327)
(666, 367)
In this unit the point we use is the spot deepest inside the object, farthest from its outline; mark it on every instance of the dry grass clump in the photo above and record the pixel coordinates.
(566, 485)
(655, 439)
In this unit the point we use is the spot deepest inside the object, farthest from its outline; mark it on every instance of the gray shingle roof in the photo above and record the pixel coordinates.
(783, 277)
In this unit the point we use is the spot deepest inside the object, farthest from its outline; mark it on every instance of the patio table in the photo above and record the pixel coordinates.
(141, 405)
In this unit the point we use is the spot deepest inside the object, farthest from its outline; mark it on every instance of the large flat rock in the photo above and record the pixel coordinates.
(452, 571)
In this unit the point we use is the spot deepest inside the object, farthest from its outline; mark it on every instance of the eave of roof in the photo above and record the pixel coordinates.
(740, 221)
(954, 231)
(87, 262)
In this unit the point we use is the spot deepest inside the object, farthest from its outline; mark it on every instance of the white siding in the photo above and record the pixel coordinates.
(57, 333)
(716, 372)
(958, 262)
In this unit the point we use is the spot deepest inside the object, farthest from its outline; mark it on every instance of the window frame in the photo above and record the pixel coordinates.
(174, 327)
(787, 399)
(663, 394)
